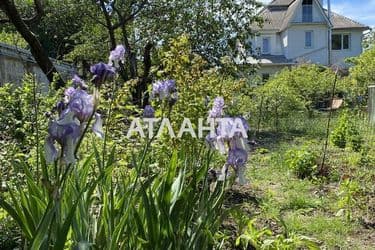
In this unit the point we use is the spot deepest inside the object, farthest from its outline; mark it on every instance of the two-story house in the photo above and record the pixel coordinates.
(299, 31)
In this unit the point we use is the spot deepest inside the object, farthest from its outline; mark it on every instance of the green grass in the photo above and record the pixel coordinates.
(309, 207)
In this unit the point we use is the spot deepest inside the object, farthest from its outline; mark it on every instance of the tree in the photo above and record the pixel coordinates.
(362, 74)
(22, 26)
(369, 40)
(214, 28)
(85, 31)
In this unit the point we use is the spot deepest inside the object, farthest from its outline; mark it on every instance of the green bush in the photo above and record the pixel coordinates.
(346, 133)
(303, 162)
(312, 83)
(361, 76)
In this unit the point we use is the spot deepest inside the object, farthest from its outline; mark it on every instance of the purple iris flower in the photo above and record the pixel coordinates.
(66, 132)
(82, 105)
(231, 138)
(78, 82)
(245, 123)
(149, 112)
(237, 157)
(60, 106)
(101, 72)
(217, 108)
(117, 55)
(69, 91)
(164, 89)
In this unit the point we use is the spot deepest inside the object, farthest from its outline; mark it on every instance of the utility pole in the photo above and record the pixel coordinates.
(329, 33)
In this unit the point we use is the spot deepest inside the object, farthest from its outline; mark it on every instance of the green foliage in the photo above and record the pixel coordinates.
(195, 80)
(295, 92)
(23, 122)
(361, 76)
(197, 85)
(263, 239)
(310, 82)
(137, 197)
(348, 192)
(346, 133)
(12, 39)
(302, 161)
(274, 101)
(369, 40)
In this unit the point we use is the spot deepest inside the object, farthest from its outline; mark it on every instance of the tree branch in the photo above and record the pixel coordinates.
(38, 6)
(124, 20)
(41, 57)
(109, 25)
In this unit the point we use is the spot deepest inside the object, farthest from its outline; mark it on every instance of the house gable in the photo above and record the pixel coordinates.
(318, 14)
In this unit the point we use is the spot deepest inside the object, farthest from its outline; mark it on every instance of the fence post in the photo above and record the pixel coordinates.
(371, 104)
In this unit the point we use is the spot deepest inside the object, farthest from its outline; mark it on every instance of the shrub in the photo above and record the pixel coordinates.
(348, 197)
(303, 162)
(312, 83)
(274, 101)
(362, 75)
(346, 133)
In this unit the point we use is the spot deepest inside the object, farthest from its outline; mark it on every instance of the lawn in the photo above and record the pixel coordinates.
(311, 207)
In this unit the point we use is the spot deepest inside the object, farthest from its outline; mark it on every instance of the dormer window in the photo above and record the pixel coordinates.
(307, 11)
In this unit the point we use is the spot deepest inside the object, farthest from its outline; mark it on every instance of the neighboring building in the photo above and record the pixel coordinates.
(16, 62)
(298, 31)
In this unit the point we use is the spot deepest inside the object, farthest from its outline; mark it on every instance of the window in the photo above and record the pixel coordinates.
(340, 41)
(308, 39)
(336, 42)
(266, 45)
(307, 11)
(345, 41)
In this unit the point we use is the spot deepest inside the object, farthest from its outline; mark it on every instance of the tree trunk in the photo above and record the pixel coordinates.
(141, 88)
(37, 50)
(111, 30)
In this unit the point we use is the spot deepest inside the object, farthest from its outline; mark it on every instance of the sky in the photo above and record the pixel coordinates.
(362, 11)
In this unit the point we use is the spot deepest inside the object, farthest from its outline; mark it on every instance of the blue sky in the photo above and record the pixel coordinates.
(362, 11)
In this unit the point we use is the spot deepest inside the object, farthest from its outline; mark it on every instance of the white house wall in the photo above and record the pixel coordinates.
(275, 42)
(318, 53)
(355, 46)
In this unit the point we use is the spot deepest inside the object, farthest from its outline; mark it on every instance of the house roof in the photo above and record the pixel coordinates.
(281, 2)
(279, 13)
(342, 22)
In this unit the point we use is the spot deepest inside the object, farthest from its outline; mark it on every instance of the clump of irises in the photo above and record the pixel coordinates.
(74, 113)
(233, 145)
